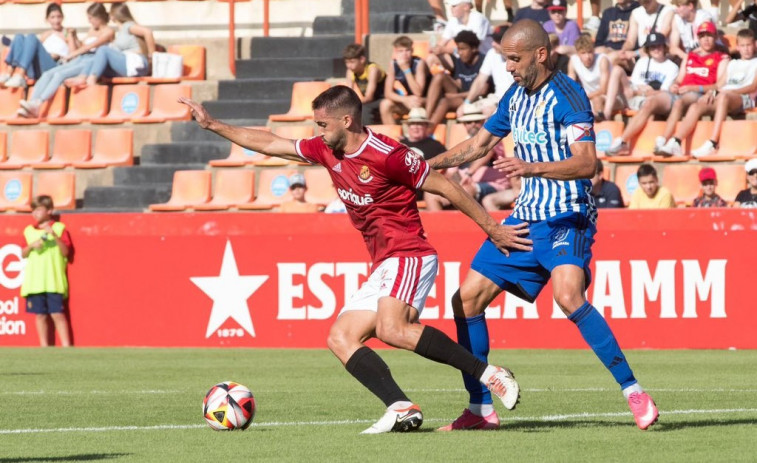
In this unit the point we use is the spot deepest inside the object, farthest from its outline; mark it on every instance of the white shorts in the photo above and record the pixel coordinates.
(408, 279)
(747, 102)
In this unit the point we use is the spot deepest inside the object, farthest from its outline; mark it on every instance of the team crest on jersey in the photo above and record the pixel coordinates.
(365, 174)
(413, 161)
(709, 61)
(539, 112)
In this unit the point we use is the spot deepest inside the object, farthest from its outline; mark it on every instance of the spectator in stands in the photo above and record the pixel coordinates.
(503, 199)
(606, 194)
(650, 73)
(30, 55)
(560, 60)
(298, 203)
(464, 18)
(614, 26)
(417, 135)
(734, 96)
(592, 71)
(441, 15)
(649, 194)
(367, 79)
(748, 196)
(73, 63)
(698, 76)
(45, 284)
(687, 20)
(406, 81)
(650, 17)
(477, 178)
(128, 55)
(748, 14)
(494, 68)
(448, 89)
(566, 29)
(709, 180)
(536, 11)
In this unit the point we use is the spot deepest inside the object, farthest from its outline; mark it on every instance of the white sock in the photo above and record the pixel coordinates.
(481, 409)
(399, 405)
(631, 389)
(490, 370)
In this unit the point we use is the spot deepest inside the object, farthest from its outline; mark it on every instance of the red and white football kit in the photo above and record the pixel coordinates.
(377, 184)
(702, 69)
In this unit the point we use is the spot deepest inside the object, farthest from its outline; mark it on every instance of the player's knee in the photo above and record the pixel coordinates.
(337, 340)
(568, 301)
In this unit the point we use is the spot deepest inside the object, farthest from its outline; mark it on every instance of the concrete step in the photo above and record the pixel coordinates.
(268, 88)
(184, 152)
(381, 23)
(134, 198)
(149, 175)
(383, 6)
(310, 68)
(191, 132)
(246, 109)
(325, 46)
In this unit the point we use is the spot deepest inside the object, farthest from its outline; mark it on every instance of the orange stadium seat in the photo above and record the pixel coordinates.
(625, 178)
(390, 130)
(731, 180)
(190, 188)
(421, 48)
(26, 148)
(3, 146)
(702, 132)
(165, 106)
(61, 186)
(54, 108)
(738, 138)
(642, 146)
(9, 102)
(682, 181)
(193, 61)
(606, 132)
(239, 156)
(126, 102)
(69, 146)
(28, 1)
(273, 189)
(294, 132)
(84, 104)
(300, 109)
(113, 147)
(440, 133)
(457, 134)
(232, 188)
(320, 188)
(15, 191)
(3, 55)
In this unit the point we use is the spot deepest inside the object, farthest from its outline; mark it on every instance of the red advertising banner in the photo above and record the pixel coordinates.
(663, 279)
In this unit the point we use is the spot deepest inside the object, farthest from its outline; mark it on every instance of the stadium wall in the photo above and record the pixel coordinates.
(664, 279)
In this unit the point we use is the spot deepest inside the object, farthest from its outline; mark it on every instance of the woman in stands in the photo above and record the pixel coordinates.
(128, 56)
(73, 63)
(31, 55)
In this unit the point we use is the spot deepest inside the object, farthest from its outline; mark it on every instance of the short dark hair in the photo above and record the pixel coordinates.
(469, 38)
(339, 98)
(43, 200)
(353, 51)
(646, 170)
(600, 167)
(52, 8)
(403, 41)
(97, 10)
(745, 34)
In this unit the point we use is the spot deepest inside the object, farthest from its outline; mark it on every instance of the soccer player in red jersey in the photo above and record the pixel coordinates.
(377, 178)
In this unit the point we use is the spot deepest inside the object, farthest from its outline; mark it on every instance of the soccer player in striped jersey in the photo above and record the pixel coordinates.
(376, 178)
(551, 122)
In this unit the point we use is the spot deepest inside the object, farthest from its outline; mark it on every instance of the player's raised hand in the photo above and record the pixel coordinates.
(514, 167)
(508, 237)
(199, 113)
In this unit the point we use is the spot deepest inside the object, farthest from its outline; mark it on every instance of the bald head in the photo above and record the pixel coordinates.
(527, 35)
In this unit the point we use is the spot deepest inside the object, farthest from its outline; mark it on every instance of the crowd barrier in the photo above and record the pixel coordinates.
(663, 279)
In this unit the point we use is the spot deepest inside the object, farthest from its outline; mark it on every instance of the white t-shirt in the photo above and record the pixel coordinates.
(55, 45)
(665, 72)
(687, 30)
(477, 23)
(740, 73)
(645, 21)
(589, 77)
(495, 65)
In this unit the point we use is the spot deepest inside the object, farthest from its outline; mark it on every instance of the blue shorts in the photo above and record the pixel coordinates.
(563, 239)
(45, 303)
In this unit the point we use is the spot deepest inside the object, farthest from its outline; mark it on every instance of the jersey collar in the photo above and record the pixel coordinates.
(362, 146)
(546, 81)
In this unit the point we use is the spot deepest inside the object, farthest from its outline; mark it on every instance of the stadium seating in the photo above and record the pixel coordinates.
(239, 156)
(9, 102)
(625, 178)
(113, 147)
(26, 148)
(84, 104)
(233, 187)
(165, 106)
(421, 48)
(3, 146)
(683, 182)
(61, 186)
(190, 188)
(440, 133)
(731, 180)
(738, 138)
(69, 146)
(390, 130)
(303, 94)
(320, 188)
(273, 189)
(643, 144)
(126, 102)
(15, 191)
(193, 60)
(606, 132)
(456, 134)
(54, 108)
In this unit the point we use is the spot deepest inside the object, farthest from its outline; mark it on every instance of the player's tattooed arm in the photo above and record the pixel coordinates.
(471, 149)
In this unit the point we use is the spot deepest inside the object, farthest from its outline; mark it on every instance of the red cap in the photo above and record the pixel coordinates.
(707, 28)
(707, 173)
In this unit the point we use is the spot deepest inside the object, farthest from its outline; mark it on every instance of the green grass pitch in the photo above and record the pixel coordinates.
(144, 405)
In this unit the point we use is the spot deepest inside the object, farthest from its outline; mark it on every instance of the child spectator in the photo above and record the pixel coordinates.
(613, 28)
(298, 203)
(649, 194)
(417, 135)
(650, 73)
(464, 18)
(128, 56)
(592, 70)
(748, 196)
(536, 11)
(30, 56)
(566, 30)
(709, 180)
(45, 284)
(367, 79)
(447, 91)
(406, 81)
(606, 194)
(650, 17)
(687, 20)
(560, 60)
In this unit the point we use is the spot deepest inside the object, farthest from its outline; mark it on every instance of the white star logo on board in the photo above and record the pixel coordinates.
(229, 292)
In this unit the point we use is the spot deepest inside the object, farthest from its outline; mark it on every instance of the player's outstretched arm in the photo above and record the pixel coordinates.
(581, 164)
(505, 237)
(471, 149)
(255, 140)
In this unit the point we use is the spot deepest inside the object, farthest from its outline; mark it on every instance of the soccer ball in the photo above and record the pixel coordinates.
(228, 406)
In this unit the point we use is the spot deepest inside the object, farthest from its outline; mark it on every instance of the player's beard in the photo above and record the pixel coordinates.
(528, 78)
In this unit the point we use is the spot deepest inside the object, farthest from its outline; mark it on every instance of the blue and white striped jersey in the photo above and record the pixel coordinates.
(544, 123)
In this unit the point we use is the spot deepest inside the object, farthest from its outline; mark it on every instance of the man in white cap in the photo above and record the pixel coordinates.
(417, 136)
(748, 196)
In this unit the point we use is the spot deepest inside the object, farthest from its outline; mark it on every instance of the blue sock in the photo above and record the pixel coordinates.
(473, 334)
(597, 334)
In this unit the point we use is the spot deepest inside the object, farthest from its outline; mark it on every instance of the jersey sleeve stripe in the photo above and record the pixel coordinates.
(422, 180)
(299, 153)
(570, 96)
